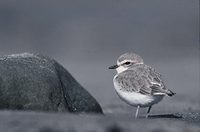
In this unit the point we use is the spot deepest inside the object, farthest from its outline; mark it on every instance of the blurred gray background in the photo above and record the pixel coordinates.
(87, 36)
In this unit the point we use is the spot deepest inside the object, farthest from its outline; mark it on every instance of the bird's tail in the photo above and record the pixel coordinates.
(170, 93)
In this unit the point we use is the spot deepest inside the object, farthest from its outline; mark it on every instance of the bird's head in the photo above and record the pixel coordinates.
(125, 61)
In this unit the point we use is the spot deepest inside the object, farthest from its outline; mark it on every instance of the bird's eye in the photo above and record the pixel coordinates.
(127, 63)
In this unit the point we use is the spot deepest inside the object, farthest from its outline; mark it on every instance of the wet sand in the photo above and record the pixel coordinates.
(11, 121)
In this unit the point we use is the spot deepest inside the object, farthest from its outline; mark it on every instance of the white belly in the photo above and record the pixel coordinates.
(135, 99)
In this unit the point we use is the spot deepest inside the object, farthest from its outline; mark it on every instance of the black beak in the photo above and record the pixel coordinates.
(113, 67)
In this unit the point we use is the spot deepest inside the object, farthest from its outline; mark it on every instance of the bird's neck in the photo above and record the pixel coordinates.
(121, 69)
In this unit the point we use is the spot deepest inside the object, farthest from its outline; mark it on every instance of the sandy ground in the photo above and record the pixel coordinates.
(63, 122)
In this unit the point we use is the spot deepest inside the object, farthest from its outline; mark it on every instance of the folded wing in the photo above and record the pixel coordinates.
(142, 79)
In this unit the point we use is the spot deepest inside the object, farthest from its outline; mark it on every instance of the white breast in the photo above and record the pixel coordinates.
(135, 99)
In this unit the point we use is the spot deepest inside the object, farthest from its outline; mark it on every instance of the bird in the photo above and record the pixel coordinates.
(138, 84)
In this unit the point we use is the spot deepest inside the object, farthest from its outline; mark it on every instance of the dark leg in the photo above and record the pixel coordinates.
(149, 109)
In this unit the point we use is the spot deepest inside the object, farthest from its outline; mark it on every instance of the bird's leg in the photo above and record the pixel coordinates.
(149, 109)
(137, 111)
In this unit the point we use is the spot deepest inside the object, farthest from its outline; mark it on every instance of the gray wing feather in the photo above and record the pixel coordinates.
(142, 79)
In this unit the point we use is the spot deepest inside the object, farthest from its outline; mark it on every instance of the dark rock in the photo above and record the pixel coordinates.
(36, 82)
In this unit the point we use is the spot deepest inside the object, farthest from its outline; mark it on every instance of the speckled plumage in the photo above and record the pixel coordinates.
(142, 79)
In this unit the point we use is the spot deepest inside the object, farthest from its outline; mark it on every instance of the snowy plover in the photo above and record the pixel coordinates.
(137, 84)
